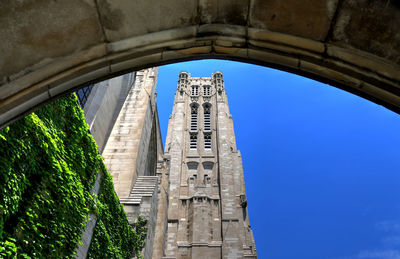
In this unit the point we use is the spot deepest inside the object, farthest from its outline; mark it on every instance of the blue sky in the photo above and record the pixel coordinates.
(321, 165)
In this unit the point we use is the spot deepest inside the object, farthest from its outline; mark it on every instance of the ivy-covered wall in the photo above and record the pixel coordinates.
(48, 164)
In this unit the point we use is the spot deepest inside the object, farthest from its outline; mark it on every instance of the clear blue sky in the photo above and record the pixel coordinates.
(321, 166)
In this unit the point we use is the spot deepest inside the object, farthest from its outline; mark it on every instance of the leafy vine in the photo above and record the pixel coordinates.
(48, 164)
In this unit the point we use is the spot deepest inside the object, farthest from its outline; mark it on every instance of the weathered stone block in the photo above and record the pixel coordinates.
(224, 11)
(38, 31)
(372, 26)
(310, 18)
(120, 18)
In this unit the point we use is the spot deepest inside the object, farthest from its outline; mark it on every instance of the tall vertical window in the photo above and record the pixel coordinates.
(207, 141)
(83, 95)
(207, 117)
(195, 90)
(193, 118)
(207, 90)
(193, 141)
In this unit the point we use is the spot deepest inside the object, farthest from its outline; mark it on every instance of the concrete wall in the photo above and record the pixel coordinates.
(162, 209)
(151, 216)
(104, 104)
(128, 145)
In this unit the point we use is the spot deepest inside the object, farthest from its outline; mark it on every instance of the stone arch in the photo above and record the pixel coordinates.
(55, 47)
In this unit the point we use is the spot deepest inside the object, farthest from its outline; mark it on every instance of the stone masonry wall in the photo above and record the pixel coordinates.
(127, 146)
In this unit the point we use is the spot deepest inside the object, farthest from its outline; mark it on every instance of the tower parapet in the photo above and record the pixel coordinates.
(218, 81)
(182, 81)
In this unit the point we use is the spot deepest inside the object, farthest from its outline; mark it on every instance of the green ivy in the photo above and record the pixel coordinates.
(48, 164)
(112, 227)
(140, 227)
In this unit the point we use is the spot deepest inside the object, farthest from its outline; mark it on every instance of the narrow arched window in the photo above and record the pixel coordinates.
(207, 90)
(207, 117)
(195, 90)
(207, 141)
(193, 118)
(193, 141)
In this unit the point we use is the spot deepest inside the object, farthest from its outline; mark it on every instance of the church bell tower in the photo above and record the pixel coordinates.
(207, 214)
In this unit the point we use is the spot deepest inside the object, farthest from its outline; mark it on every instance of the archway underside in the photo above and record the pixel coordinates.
(320, 47)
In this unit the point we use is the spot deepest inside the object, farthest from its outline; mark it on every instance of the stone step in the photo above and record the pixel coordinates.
(143, 187)
(131, 200)
(132, 203)
(143, 192)
(135, 197)
(140, 195)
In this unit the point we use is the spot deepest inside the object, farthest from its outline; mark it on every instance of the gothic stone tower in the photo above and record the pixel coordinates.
(207, 213)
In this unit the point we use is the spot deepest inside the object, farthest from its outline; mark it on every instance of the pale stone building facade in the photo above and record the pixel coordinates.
(193, 193)
(132, 151)
(207, 213)
(122, 117)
